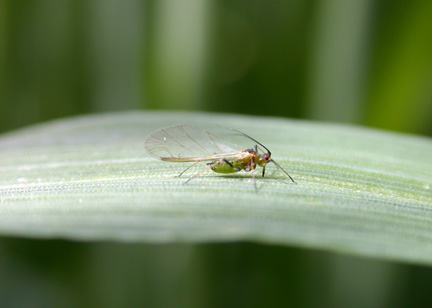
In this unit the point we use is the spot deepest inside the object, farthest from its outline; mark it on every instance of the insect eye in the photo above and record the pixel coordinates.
(266, 156)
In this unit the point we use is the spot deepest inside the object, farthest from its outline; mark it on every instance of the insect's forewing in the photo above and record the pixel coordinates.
(186, 143)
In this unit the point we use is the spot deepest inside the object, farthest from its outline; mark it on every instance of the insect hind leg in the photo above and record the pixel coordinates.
(181, 173)
(219, 162)
(231, 165)
(209, 166)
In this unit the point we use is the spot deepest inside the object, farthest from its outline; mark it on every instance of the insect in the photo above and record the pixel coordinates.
(187, 143)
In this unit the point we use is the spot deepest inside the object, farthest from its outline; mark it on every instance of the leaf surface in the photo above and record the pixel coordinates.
(359, 191)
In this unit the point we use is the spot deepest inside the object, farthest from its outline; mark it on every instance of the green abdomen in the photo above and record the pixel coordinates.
(225, 168)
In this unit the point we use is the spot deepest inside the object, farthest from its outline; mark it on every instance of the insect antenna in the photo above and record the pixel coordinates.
(272, 161)
(268, 151)
(253, 139)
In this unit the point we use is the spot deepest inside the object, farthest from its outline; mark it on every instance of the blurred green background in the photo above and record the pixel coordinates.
(365, 62)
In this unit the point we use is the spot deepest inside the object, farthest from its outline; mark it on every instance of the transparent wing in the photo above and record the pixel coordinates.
(187, 143)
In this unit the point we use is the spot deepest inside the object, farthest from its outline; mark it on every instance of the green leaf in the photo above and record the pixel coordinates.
(358, 191)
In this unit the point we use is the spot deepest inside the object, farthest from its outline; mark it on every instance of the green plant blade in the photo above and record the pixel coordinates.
(359, 191)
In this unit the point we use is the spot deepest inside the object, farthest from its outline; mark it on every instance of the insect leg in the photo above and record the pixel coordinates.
(253, 173)
(219, 162)
(272, 161)
(263, 171)
(231, 165)
(188, 168)
(209, 166)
